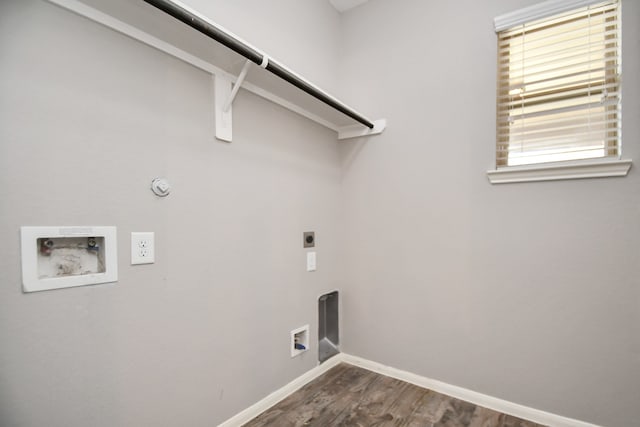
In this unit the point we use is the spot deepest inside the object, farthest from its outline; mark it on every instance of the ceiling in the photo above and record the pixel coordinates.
(344, 5)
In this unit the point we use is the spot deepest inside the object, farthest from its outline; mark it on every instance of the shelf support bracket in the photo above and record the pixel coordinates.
(224, 122)
(225, 93)
(236, 87)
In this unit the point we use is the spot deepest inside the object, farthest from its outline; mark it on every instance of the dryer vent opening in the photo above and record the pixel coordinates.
(328, 332)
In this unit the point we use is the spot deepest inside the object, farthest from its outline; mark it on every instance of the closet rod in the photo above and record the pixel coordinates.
(253, 55)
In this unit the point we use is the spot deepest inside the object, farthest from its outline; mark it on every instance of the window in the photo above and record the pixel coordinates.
(558, 93)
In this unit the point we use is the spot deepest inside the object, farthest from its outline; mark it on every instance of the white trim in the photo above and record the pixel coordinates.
(265, 59)
(112, 23)
(355, 131)
(288, 105)
(538, 11)
(217, 26)
(259, 407)
(145, 38)
(558, 171)
(476, 398)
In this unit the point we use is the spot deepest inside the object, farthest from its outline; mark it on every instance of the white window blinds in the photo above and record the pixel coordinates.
(559, 87)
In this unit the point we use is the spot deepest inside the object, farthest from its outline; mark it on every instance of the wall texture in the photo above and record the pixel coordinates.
(527, 292)
(88, 118)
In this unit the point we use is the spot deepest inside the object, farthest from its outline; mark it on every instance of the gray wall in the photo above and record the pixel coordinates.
(87, 118)
(304, 35)
(527, 292)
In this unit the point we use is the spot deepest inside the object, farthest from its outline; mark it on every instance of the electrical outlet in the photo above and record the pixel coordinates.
(142, 248)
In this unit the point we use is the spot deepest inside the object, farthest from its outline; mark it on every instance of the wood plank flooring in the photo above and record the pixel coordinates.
(350, 396)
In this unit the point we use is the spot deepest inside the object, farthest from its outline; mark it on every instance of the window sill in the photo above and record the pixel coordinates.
(554, 172)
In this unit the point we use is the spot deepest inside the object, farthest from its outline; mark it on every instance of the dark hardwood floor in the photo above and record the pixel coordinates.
(350, 396)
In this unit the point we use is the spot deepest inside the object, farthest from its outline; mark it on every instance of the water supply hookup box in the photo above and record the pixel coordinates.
(64, 257)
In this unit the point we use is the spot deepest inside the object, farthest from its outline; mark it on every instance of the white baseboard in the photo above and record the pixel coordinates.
(259, 407)
(520, 411)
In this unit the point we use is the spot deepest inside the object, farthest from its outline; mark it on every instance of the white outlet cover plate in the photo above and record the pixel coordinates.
(142, 247)
(311, 261)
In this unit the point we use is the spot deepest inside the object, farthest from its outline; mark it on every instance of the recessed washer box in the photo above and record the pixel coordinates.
(64, 257)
